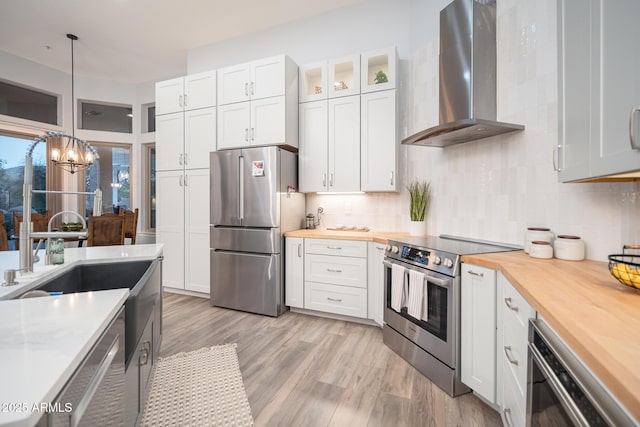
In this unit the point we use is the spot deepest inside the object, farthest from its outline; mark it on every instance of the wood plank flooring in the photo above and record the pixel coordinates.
(302, 370)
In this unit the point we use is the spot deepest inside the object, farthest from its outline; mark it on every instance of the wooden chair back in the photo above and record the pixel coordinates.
(130, 223)
(4, 242)
(105, 230)
(40, 223)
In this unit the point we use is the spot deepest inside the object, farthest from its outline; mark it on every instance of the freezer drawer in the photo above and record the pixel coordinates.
(247, 282)
(240, 239)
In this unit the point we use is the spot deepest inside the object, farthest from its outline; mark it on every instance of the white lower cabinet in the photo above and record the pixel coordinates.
(478, 324)
(183, 226)
(375, 279)
(328, 275)
(294, 272)
(494, 340)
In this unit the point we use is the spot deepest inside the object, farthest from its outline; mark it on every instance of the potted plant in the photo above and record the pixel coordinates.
(419, 198)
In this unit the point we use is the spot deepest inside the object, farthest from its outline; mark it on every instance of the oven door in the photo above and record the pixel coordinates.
(436, 334)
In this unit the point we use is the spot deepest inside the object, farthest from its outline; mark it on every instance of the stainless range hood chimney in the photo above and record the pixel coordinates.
(467, 77)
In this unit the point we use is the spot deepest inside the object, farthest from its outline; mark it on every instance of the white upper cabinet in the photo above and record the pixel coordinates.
(344, 144)
(169, 95)
(234, 121)
(259, 79)
(169, 141)
(329, 156)
(186, 93)
(233, 84)
(344, 76)
(199, 137)
(378, 70)
(313, 156)
(313, 82)
(199, 90)
(599, 89)
(258, 104)
(379, 141)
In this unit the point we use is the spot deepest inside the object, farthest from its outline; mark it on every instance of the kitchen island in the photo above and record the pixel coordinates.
(43, 341)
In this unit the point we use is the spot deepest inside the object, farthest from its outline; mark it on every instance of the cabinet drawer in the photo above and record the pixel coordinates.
(515, 326)
(336, 247)
(346, 271)
(335, 299)
(514, 348)
(513, 405)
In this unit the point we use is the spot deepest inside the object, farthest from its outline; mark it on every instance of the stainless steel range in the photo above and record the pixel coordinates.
(422, 303)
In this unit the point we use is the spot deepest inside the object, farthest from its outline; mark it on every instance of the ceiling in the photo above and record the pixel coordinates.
(136, 41)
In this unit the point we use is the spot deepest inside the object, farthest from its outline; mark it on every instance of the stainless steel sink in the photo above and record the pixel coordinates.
(143, 278)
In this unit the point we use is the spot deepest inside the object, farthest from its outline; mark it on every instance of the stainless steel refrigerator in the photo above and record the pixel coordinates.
(253, 203)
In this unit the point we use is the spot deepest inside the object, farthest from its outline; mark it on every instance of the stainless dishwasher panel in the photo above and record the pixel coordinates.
(260, 240)
(95, 392)
(247, 282)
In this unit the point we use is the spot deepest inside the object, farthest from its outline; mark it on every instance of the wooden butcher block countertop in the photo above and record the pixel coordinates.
(369, 236)
(598, 317)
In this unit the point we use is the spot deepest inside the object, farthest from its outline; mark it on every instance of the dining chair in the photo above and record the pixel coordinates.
(105, 230)
(40, 223)
(130, 223)
(4, 242)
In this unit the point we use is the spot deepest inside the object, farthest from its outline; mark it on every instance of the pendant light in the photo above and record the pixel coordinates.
(77, 155)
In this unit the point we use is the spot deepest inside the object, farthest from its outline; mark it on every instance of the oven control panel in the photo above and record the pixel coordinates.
(416, 255)
(443, 262)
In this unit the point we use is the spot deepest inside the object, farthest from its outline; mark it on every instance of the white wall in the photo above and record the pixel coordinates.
(491, 189)
(365, 26)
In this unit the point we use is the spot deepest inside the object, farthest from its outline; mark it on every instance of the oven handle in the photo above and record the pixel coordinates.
(443, 283)
(572, 409)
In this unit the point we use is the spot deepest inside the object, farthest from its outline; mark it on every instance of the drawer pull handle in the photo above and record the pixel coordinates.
(339, 248)
(507, 416)
(334, 299)
(144, 353)
(507, 301)
(332, 270)
(473, 273)
(507, 352)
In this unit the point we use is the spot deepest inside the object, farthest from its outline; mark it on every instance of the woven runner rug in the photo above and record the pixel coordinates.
(199, 388)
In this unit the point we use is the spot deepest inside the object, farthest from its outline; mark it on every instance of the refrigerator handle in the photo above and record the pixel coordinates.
(241, 187)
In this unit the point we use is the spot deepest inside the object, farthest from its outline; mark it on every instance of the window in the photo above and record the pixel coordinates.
(112, 175)
(106, 117)
(23, 103)
(149, 197)
(12, 154)
(148, 122)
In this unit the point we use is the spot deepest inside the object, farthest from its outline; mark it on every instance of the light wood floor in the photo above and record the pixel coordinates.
(302, 370)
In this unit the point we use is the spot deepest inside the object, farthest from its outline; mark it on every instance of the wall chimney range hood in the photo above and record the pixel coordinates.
(467, 77)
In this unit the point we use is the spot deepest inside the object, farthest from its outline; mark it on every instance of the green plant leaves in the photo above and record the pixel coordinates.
(419, 198)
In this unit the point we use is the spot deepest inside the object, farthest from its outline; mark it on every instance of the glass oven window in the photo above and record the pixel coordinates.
(436, 323)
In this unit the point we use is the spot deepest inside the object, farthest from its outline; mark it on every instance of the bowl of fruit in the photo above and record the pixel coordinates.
(626, 267)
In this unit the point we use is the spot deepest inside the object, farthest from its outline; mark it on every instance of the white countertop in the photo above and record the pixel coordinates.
(72, 257)
(42, 342)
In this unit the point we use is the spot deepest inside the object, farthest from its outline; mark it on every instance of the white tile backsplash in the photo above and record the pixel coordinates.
(495, 188)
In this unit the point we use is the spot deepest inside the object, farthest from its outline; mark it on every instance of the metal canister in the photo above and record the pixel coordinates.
(56, 250)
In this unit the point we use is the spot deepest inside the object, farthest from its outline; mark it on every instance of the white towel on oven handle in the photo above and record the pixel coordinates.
(416, 293)
(397, 287)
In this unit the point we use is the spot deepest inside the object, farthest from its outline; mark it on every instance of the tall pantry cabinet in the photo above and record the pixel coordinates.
(185, 134)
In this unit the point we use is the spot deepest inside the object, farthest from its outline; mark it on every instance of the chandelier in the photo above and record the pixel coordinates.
(76, 155)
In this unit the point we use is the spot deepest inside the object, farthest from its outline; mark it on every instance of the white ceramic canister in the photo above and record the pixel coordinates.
(541, 249)
(536, 234)
(570, 248)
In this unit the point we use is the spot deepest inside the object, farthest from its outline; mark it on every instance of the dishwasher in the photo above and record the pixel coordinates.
(562, 391)
(95, 393)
